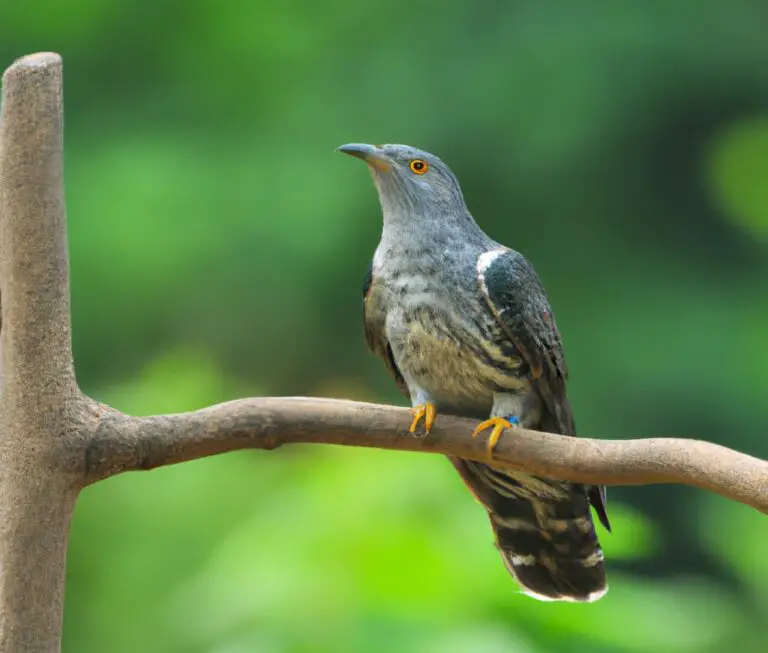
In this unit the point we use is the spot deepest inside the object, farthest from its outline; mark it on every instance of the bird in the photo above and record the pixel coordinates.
(465, 327)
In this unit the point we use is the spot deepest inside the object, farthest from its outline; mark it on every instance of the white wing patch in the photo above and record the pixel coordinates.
(484, 262)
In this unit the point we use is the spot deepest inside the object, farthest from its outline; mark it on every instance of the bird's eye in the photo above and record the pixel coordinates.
(418, 166)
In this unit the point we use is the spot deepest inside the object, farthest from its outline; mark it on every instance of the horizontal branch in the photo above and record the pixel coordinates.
(123, 443)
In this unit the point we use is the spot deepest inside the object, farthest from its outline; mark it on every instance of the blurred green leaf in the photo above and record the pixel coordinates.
(739, 168)
(736, 535)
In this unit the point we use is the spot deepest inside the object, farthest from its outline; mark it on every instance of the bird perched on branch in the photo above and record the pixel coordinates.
(465, 328)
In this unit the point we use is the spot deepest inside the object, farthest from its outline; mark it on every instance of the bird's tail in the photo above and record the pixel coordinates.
(544, 531)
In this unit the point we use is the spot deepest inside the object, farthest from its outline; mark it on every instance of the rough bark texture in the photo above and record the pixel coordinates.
(123, 443)
(38, 415)
(54, 440)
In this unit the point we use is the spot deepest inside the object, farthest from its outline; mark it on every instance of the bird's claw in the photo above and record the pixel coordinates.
(427, 412)
(499, 425)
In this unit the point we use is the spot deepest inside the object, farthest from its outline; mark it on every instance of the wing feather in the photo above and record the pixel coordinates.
(516, 297)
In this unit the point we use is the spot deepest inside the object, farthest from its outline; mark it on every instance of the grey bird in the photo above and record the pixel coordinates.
(465, 328)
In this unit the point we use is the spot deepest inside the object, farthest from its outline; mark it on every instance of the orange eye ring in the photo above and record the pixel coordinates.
(418, 166)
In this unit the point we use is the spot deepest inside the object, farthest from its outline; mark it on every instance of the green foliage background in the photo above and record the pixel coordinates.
(218, 246)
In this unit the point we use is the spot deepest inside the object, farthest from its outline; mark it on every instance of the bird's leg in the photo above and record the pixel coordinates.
(427, 412)
(499, 425)
(506, 414)
(424, 409)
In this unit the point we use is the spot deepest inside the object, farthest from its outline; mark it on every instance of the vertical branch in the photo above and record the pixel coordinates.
(38, 407)
(34, 268)
(36, 513)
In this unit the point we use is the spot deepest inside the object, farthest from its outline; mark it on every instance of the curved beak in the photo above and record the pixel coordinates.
(371, 154)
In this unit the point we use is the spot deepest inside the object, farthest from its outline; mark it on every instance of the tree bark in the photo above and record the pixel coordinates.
(54, 440)
(38, 466)
(125, 443)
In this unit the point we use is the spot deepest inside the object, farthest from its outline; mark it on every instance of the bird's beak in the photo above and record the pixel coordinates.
(371, 154)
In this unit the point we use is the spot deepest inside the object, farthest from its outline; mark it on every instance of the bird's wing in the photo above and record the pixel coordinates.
(517, 299)
(374, 317)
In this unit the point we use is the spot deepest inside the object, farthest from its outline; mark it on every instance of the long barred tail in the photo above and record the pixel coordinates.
(544, 531)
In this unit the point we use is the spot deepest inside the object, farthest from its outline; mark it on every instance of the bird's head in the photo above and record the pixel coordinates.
(410, 180)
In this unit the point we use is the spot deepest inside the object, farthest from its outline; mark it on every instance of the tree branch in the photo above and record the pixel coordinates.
(34, 268)
(38, 399)
(122, 443)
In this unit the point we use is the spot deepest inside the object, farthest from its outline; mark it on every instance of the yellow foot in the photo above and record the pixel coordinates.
(498, 424)
(426, 411)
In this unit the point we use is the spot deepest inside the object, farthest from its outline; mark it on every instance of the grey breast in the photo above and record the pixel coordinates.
(445, 340)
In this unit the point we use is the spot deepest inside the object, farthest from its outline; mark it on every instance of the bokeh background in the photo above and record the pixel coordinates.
(218, 248)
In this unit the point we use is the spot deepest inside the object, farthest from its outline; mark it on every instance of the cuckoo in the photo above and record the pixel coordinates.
(464, 326)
